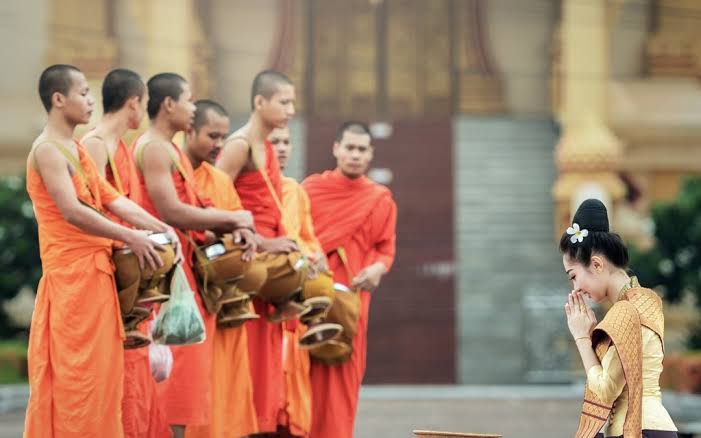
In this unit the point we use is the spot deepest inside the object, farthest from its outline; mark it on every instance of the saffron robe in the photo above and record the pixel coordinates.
(142, 416)
(186, 394)
(76, 332)
(233, 412)
(265, 338)
(360, 216)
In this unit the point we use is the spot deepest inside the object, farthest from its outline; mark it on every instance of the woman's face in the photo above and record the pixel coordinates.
(591, 281)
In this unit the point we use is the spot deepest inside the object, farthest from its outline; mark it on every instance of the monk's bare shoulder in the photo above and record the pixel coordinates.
(153, 155)
(235, 156)
(237, 144)
(97, 149)
(45, 153)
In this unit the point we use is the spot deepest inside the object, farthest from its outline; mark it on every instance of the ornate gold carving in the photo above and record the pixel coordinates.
(85, 43)
(345, 79)
(587, 152)
(588, 147)
(479, 86)
(403, 39)
(674, 48)
(418, 58)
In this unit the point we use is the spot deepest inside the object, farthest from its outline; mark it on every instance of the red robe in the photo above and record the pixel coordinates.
(186, 394)
(142, 416)
(361, 217)
(265, 338)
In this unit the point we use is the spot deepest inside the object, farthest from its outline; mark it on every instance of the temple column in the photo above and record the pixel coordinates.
(587, 154)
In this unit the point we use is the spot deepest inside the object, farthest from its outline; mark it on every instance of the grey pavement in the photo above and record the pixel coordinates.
(394, 411)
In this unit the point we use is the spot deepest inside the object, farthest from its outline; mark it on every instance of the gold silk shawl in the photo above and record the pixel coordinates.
(622, 327)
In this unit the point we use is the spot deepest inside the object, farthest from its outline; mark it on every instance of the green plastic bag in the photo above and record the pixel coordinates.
(179, 321)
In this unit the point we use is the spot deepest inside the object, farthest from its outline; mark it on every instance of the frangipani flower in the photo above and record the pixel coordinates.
(577, 234)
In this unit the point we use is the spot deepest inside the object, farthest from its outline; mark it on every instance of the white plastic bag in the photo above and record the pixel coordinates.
(179, 322)
(161, 359)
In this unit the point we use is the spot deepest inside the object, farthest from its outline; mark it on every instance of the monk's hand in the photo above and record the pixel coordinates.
(278, 245)
(177, 248)
(370, 277)
(145, 249)
(312, 269)
(247, 239)
(321, 263)
(242, 219)
(581, 319)
(210, 237)
(317, 264)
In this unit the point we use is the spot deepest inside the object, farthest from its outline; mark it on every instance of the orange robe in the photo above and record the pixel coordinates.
(233, 413)
(141, 414)
(296, 363)
(76, 332)
(298, 218)
(264, 338)
(186, 394)
(359, 216)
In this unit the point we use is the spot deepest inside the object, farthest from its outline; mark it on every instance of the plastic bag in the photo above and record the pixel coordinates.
(179, 322)
(161, 359)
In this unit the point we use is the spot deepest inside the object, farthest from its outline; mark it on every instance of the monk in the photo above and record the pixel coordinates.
(76, 332)
(249, 160)
(295, 199)
(124, 100)
(349, 211)
(298, 224)
(169, 192)
(233, 413)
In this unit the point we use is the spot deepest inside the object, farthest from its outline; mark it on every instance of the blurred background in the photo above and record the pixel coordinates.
(493, 119)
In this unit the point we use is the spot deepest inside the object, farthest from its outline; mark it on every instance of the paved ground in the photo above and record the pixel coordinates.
(517, 412)
(393, 412)
(11, 425)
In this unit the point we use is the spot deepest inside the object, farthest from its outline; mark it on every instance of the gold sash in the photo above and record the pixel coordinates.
(622, 325)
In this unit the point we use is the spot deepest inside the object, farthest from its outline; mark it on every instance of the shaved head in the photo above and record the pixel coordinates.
(119, 86)
(354, 127)
(267, 83)
(55, 79)
(202, 108)
(161, 86)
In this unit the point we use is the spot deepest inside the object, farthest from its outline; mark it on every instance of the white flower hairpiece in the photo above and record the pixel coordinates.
(577, 234)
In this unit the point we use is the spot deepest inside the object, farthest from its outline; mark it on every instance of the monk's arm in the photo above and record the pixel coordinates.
(233, 157)
(386, 245)
(98, 152)
(53, 169)
(275, 245)
(384, 249)
(161, 189)
(131, 212)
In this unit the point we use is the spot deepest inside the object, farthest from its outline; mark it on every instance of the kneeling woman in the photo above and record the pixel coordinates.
(623, 354)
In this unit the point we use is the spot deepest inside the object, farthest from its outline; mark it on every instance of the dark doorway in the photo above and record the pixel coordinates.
(412, 316)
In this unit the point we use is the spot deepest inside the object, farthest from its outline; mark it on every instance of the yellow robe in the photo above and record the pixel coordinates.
(296, 364)
(233, 413)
